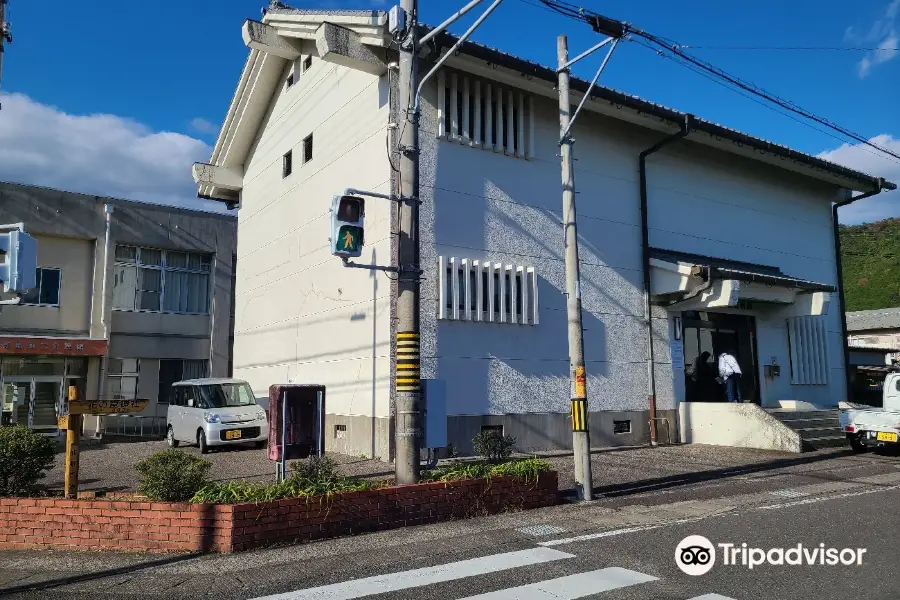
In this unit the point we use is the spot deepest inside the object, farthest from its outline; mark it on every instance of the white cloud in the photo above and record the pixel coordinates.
(201, 125)
(868, 160)
(883, 34)
(100, 154)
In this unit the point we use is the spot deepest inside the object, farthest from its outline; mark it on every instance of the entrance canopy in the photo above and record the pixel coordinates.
(695, 282)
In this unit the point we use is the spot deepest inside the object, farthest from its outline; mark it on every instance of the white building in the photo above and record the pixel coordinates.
(741, 242)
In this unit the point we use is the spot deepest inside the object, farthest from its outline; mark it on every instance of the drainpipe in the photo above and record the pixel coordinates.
(645, 256)
(104, 319)
(880, 185)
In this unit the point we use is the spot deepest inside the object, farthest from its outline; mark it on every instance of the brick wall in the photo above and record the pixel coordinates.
(119, 525)
(172, 527)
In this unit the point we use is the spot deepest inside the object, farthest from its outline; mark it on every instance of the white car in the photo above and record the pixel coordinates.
(866, 426)
(215, 412)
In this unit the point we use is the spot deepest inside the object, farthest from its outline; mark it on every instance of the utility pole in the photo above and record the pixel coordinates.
(5, 35)
(581, 438)
(408, 398)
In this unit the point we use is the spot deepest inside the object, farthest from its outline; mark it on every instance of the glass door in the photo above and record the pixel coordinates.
(32, 402)
(45, 405)
(16, 402)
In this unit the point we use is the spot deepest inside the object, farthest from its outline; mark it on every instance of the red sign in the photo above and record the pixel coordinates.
(53, 346)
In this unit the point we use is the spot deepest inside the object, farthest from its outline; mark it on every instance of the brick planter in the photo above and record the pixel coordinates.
(173, 527)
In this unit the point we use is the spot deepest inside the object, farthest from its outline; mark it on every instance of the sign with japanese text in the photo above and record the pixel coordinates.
(107, 407)
(53, 346)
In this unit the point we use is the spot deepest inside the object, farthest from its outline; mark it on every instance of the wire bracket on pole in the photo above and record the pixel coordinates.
(452, 50)
(587, 94)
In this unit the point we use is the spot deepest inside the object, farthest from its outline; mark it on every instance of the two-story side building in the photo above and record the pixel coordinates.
(740, 244)
(130, 298)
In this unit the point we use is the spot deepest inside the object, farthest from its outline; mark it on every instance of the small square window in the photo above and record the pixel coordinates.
(307, 149)
(290, 79)
(287, 163)
(307, 63)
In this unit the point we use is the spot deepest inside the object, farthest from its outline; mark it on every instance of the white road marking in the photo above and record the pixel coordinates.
(824, 498)
(712, 597)
(594, 536)
(789, 493)
(570, 587)
(382, 584)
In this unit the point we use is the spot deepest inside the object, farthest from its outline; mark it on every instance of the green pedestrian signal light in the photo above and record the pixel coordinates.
(350, 240)
(347, 232)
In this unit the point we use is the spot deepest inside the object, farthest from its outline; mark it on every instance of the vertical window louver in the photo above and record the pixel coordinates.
(486, 291)
(483, 114)
(808, 350)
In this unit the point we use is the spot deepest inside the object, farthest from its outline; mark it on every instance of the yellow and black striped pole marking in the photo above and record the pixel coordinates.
(579, 414)
(407, 366)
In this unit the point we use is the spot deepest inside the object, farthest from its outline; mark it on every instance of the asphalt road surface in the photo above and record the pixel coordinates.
(596, 550)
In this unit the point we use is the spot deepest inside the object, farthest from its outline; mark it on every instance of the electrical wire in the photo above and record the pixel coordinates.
(582, 15)
(755, 100)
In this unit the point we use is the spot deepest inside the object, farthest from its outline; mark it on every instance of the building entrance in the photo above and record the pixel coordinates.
(706, 335)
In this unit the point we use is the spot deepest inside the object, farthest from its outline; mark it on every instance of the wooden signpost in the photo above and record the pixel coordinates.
(72, 424)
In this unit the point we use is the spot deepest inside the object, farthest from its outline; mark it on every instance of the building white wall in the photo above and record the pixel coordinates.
(703, 202)
(300, 315)
(482, 205)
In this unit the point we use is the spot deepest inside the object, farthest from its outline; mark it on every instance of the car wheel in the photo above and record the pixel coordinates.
(170, 438)
(201, 441)
(855, 444)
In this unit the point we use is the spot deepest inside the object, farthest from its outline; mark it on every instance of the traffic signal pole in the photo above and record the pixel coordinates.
(408, 412)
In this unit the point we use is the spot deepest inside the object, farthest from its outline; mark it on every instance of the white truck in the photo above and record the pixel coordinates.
(866, 426)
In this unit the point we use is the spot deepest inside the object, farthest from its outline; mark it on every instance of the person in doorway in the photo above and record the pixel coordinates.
(704, 376)
(730, 374)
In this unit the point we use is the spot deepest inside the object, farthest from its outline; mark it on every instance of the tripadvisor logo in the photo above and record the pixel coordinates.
(696, 555)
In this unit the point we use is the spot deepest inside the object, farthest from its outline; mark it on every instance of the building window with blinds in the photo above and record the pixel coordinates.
(122, 378)
(149, 279)
(479, 290)
(173, 370)
(808, 350)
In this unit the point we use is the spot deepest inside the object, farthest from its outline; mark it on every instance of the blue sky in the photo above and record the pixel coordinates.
(158, 75)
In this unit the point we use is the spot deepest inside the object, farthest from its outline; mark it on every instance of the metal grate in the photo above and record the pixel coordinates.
(541, 530)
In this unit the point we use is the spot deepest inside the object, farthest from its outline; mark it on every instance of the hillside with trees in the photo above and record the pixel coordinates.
(871, 261)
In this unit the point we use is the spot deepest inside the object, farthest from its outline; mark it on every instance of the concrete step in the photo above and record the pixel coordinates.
(807, 423)
(819, 432)
(785, 415)
(824, 442)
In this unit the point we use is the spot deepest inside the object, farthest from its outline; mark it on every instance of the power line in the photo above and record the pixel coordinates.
(598, 22)
(756, 100)
(793, 48)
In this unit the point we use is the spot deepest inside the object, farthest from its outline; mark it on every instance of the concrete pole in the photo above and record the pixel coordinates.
(581, 441)
(4, 33)
(408, 398)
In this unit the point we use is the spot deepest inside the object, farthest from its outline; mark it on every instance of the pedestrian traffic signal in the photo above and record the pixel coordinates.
(19, 270)
(347, 215)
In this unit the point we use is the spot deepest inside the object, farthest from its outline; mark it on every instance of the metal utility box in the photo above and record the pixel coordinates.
(302, 408)
(435, 413)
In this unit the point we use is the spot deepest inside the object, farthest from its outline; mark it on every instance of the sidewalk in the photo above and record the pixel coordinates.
(663, 491)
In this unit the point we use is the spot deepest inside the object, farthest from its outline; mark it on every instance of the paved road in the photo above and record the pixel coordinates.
(604, 550)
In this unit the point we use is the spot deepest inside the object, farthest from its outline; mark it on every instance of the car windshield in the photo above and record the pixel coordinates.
(221, 395)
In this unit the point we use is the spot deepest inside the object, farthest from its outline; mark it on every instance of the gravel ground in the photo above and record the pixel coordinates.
(109, 465)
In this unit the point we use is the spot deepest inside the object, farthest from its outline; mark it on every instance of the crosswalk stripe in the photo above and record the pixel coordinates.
(712, 597)
(571, 586)
(382, 584)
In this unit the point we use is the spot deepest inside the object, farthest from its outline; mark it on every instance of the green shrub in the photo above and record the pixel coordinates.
(24, 457)
(315, 469)
(493, 445)
(528, 470)
(172, 475)
(314, 477)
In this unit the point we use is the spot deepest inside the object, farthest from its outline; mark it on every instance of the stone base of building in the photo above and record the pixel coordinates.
(372, 437)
